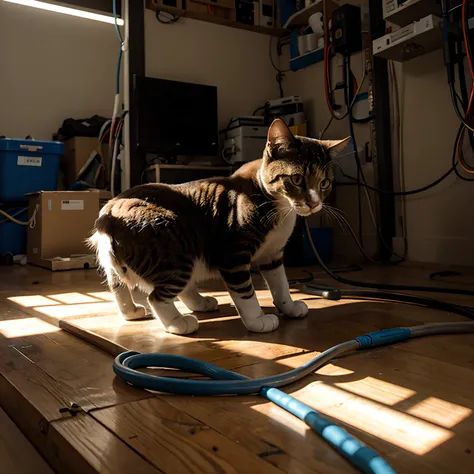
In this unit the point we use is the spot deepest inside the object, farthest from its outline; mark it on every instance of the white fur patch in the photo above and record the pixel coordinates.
(275, 240)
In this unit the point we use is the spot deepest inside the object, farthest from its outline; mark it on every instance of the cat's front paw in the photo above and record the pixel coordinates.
(264, 323)
(295, 309)
(186, 324)
(204, 304)
(138, 313)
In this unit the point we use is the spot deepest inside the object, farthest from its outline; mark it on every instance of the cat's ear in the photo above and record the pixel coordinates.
(279, 132)
(334, 147)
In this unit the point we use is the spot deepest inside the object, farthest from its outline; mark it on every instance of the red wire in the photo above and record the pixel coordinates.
(464, 5)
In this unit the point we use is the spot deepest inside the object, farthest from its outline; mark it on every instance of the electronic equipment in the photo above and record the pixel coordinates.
(289, 109)
(413, 40)
(245, 139)
(247, 12)
(175, 118)
(347, 29)
(267, 13)
(404, 12)
(293, 99)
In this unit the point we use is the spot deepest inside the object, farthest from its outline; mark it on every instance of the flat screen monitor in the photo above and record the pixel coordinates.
(176, 118)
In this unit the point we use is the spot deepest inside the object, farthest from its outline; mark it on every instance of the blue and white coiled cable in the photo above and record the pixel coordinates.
(225, 382)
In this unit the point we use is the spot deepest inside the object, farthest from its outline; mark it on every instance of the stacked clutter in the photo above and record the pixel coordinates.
(26, 166)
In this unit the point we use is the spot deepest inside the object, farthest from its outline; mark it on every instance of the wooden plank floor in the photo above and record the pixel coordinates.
(413, 402)
(16, 453)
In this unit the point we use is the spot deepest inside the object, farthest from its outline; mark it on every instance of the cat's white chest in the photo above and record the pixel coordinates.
(275, 240)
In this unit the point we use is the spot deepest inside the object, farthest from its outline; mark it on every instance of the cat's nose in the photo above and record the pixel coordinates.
(314, 205)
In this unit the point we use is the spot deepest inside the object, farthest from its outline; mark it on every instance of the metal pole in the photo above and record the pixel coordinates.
(134, 64)
(383, 156)
(125, 161)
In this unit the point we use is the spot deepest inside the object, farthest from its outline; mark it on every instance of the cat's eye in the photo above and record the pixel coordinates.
(325, 184)
(297, 179)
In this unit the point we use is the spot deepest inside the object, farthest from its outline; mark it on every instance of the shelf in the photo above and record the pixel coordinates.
(301, 17)
(207, 17)
(307, 59)
(411, 41)
(410, 11)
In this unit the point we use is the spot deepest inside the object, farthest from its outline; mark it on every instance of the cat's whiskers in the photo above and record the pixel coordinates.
(334, 214)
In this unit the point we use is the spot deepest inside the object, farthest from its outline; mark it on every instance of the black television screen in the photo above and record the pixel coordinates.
(176, 118)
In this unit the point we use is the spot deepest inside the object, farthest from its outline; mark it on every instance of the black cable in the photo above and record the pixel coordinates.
(279, 79)
(258, 109)
(385, 286)
(348, 78)
(453, 168)
(277, 69)
(321, 136)
(360, 170)
(404, 193)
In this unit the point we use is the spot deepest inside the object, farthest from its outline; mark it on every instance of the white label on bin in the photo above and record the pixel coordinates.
(30, 160)
(72, 205)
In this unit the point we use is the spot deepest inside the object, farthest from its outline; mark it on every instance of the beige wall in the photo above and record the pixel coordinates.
(56, 66)
(52, 67)
(439, 222)
(236, 61)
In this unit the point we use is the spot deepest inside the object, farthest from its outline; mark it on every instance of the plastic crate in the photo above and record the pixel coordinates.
(27, 166)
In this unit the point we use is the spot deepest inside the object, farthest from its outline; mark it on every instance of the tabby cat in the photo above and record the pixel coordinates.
(165, 239)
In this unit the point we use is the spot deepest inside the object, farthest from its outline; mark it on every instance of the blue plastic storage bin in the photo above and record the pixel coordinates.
(28, 166)
(13, 236)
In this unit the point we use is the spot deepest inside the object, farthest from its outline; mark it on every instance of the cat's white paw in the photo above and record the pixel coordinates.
(138, 313)
(295, 309)
(264, 323)
(204, 304)
(186, 324)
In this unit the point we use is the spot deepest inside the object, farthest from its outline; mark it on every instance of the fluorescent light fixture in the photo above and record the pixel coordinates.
(67, 11)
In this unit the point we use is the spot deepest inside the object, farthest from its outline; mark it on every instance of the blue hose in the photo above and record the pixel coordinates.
(226, 382)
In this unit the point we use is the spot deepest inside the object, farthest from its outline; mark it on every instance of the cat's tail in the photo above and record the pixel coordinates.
(101, 244)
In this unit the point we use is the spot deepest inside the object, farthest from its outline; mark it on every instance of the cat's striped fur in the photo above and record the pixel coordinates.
(167, 238)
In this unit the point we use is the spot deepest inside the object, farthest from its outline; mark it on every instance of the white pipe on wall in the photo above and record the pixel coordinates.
(125, 156)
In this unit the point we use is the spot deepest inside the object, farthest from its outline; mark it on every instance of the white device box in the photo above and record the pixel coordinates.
(413, 40)
(245, 143)
(266, 16)
(292, 99)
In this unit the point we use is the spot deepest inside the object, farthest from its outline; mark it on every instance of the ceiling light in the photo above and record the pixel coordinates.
(67, 11)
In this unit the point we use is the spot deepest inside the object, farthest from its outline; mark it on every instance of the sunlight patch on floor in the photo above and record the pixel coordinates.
(77, 310)
(398, 428)
(102, 295)
(73, 298)
(219, 320)
(32, 300)
(441, 412)
(378, 390)
(281, 416)
(25, 327)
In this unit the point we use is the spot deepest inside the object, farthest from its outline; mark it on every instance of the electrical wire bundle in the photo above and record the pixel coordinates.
(456, 47)
(458, 44)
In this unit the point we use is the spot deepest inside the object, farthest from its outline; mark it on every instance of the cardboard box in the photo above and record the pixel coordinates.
(77, 151)
(64, 219)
